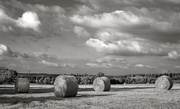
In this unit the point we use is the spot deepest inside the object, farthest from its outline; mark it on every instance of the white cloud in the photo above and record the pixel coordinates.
(171, 45)
(123, 67)
(3, 17)
(173, 55)
(6, 51)
(139, 65)
(68, 65)
(44, 56)
(59, 65)
(114, 19)
(84, 10)
(81, 32)
(112, 35)
(6, 28)
(108, 59)
(48, 63)
(155, 24)
(106, 5)
(177, 67)
(106, 65)
(92, 65)
(144, 66)
(123, 47)
(37, 21)
(29, 20)
(101, 65)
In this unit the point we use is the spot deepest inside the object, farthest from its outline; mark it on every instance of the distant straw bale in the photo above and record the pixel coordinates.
(164, 83)
(65, 86)
(101, 84)
(22, 85)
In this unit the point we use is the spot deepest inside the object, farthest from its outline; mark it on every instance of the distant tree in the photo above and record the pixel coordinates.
(7, 76)
(121, 80)
(100, 74)
(113, 81)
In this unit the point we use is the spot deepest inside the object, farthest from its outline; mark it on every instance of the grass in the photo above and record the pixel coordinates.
(119, 97)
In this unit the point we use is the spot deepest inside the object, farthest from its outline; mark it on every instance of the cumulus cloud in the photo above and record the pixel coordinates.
(123, 47)
(68, 65)
(177, 67)
(123, 67)
(6, 28)
(106, 5)
(6, 22)
(112, 35)
(171, 45)
(41, 55)
(92, 65)
(103, 65)
(144, 66)
(155, 25)
(107, 65)
(48, 63)
(81, 32)
(84, 10)
(37, 21)
(58, 65)
(34, 56)
(174, 55)
(113, 19)
(4, 17)
(29, 20)
(6, 51)
(34, 59)
(108, 59)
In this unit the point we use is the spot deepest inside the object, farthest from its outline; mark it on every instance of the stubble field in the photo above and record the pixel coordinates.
(138, 96)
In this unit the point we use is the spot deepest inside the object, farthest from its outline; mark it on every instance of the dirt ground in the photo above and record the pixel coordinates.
(138, 96)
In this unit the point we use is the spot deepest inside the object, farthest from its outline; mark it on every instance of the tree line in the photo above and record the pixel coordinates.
(8, 76)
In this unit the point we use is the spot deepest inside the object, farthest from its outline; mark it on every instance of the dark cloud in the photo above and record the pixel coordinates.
(106, 5)
(157, 25)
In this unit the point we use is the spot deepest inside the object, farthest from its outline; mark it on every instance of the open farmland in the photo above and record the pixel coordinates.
(135, 96)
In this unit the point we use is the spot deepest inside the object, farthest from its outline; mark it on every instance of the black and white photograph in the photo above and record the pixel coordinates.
(89, 54)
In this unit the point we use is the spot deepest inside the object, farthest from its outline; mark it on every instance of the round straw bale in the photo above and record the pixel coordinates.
(65, 86)
(22, 85)
(164, 83)
(101, 84)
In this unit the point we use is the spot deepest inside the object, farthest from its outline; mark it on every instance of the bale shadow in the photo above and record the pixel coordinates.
(129, 88)
(7, 90)
(41, 90)
(11, 90)
(117, 89)
(92, 95)
(16, 100)
(85, 89)
(175, 89)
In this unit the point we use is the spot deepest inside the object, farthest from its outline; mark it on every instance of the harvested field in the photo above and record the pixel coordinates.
(136, 96)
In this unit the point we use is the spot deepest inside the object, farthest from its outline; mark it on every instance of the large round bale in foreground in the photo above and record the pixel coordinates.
(65, 86)
(164, 83)
(101, 84)
(22, 85)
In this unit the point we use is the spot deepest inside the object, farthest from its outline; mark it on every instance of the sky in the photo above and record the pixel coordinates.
(115, 37)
